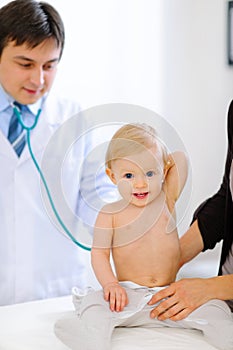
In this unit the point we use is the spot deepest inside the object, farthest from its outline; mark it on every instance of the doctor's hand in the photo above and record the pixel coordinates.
(179, 299)
(116, 295)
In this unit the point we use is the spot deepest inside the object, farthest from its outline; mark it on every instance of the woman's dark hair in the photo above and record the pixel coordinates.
(30, 22)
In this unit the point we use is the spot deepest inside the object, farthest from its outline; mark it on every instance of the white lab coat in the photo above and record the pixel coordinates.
(36, 259)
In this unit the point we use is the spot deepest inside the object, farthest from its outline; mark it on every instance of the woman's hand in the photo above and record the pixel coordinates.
(181, 298)
(116, 295)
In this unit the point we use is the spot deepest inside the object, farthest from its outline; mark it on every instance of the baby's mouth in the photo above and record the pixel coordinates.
(141, 195)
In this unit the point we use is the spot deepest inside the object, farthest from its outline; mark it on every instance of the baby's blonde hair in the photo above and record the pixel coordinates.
(131, 139)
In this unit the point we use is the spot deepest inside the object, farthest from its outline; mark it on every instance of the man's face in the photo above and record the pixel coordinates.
(27, 74)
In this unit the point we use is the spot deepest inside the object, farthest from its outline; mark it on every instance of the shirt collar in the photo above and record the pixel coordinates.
(33, 108)
(6, 100)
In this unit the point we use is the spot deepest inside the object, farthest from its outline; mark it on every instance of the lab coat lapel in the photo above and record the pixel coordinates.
(39, 137)
(6, 150)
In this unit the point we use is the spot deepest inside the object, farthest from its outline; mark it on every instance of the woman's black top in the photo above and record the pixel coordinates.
(215, 215)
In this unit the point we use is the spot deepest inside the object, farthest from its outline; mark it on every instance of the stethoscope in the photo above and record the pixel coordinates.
(28, 130)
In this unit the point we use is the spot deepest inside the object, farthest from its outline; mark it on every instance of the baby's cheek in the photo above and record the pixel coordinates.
(125, 189)
(156, 187)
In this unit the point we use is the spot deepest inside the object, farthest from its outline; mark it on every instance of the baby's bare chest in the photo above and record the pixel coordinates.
(147, 226)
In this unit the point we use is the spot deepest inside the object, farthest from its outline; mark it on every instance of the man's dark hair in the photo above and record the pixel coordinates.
(30, 22)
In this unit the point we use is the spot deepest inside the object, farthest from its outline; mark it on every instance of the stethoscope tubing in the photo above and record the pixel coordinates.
(20, 119)
(28, 138)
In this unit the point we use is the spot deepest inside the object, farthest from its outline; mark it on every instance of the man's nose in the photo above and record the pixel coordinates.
(37, 77)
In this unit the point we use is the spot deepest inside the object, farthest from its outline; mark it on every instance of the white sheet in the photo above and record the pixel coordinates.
(29, 326)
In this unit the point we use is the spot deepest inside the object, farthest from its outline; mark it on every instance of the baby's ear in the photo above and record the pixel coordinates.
(111, 175)
(167, 166)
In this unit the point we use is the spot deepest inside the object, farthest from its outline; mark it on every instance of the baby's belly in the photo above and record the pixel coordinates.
(151, 261)
(149, 281)
(150, 276)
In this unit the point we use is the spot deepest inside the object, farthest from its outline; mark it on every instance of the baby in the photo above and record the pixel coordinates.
(139, 231)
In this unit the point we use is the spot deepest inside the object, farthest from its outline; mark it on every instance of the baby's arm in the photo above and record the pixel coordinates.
(176, 172)
(100, 259)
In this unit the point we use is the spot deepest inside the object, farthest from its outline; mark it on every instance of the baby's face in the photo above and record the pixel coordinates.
(139, 177)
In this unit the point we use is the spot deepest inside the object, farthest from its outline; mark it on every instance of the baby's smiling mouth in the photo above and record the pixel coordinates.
(140, 195)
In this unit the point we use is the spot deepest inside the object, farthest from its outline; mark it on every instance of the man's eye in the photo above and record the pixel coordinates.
(150, 173)
(50, 66)
(25, 65)
(128, 176)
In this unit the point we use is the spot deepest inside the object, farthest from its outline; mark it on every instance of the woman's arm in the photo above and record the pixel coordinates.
(191, 244)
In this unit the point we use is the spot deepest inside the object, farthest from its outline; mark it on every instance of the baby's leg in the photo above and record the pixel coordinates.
(91, 329)
(215, 320)
(69, 331)
(96, 327)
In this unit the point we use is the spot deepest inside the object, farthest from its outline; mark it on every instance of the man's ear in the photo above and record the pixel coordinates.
(111, 175)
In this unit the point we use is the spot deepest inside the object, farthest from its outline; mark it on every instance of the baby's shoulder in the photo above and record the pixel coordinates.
(113, 207)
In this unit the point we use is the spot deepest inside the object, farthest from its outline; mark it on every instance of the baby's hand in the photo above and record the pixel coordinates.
(116, 295)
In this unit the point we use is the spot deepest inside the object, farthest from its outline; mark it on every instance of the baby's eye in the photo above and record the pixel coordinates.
(150, 173)
(128, 175)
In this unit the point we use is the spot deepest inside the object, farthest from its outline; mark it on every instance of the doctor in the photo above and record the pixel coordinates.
(36, 260)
